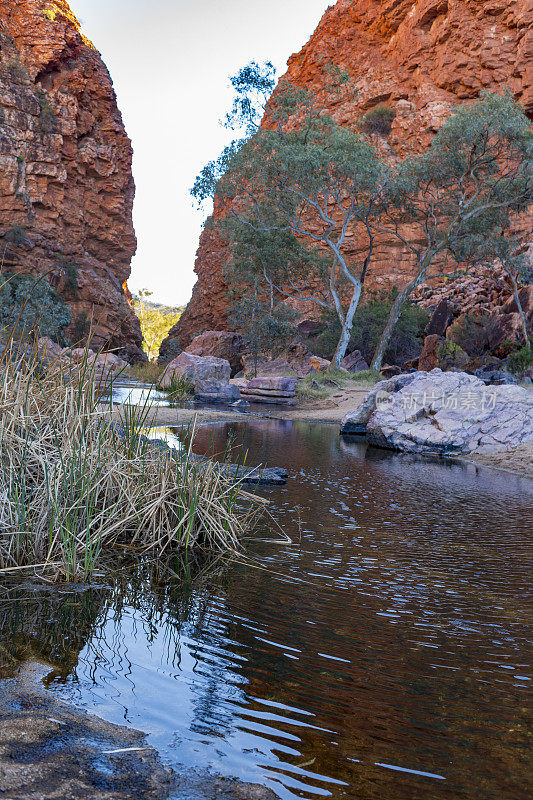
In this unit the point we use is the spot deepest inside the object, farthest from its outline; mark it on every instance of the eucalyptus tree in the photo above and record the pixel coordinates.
(299, 178)
(459, 196)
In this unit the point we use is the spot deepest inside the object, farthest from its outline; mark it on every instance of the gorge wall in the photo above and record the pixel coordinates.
(419, 57)
(66, 185)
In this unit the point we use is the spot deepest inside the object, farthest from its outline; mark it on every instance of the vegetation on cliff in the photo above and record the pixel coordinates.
(299, 187)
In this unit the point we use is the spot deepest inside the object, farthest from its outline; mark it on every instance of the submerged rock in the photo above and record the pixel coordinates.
(444, 412)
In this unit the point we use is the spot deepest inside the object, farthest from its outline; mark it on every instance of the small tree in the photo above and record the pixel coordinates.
(264, 327)
(156, 321)
(459, 195)
(302, 177)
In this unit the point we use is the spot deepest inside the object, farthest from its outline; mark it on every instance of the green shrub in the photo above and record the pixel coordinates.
(71, 274)
(369, 322)
(31, 305)
(16, 235)
(378, 120)
(17, 71)
(180, 389)
(521, 359)
(472, 333)
(450, 355)
(47, 117)
(81, 328)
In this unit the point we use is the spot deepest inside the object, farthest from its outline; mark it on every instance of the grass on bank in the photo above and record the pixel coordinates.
(320, 385)
(73, 486)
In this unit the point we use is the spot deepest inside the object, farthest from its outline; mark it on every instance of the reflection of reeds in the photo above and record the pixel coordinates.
(38, 623)
(72, 485)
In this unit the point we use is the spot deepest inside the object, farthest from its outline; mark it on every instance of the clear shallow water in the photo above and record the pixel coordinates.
(385, 655)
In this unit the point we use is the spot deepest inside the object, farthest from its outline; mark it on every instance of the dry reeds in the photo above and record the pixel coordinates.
(73, 485)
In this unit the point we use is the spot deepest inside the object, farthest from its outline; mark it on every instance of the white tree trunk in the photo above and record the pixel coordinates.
(347, 326)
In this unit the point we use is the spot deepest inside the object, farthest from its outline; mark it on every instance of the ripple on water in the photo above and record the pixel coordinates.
(384, 654)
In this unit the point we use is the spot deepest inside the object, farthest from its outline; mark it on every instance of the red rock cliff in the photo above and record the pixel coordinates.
(66, 186)
(420, 57)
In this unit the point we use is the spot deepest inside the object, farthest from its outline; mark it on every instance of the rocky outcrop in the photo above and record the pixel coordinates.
(420, 58)
(220, 344)
(66, 186)
(445, 413)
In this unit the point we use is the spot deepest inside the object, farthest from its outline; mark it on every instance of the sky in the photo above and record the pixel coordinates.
(170, 61)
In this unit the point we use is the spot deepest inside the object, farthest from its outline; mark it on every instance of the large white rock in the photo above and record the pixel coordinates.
(444, 412)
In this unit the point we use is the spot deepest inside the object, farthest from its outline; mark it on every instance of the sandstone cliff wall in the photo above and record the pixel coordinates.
(420, 57)
(66, 186)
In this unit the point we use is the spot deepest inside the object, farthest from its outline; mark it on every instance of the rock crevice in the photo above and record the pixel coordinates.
(66, 184)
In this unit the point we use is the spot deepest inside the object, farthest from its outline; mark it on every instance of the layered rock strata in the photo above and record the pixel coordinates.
(66, 185)
(420, 58)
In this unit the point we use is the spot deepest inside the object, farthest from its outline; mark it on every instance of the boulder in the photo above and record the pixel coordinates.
(48, 349)
(355, 422)
(220, 344)
(207, 374)
(441, 319)
(77, 354)
(495, 377)
(278, 367)
(354, 362)
(440, 353)
(525, 295)
(317, 364)
(283, 384)
(214, 393)
(505, 329)
(445, 413)
(389, 371)
(108, 362)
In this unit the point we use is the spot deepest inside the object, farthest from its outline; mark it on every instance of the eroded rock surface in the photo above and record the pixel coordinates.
(420, 58)
(66, 185)
(445, 413)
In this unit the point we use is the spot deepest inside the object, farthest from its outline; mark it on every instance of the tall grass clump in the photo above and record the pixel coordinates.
(74, 484)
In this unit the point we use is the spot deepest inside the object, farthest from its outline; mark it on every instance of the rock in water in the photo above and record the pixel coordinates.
(445, 413)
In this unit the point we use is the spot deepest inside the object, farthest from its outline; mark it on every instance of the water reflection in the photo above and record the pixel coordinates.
(382, 655)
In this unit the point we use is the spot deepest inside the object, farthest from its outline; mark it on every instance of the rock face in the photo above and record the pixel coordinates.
(66, 186)
(446, 413)
(420, 58)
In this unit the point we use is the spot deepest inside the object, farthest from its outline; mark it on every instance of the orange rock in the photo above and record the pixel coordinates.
(66, 185)
(420, 57)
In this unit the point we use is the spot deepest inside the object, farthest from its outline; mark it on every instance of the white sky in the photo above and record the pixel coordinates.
(170, 61)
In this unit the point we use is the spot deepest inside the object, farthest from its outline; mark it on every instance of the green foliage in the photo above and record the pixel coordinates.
(71, 274)
(472, 333)
(179, 389)
(156, 321)
(16, 235)
(32, 306)
(378, 120)
(406, 342)
(265, 328)
(47, 117)
(521, 359)
(81, 328)
(17, 71)
(450, 355)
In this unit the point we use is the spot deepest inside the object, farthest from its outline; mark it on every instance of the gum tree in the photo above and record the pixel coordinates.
(458, 197)
(301, 177)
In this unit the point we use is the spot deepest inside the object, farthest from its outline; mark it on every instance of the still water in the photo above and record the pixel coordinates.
(382, 655)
